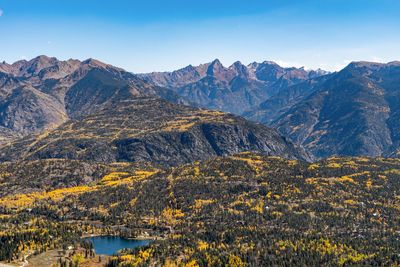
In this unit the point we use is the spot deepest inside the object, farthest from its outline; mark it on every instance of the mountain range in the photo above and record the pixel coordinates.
(352, 112)
(151, 130)
(44, 92)
(93, 111)
(215, 166)
(234, 89)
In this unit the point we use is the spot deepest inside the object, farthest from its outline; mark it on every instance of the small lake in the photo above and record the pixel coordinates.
(109, 245)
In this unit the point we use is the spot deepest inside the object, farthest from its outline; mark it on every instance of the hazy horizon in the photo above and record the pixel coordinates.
(227, 65)
(165, 36)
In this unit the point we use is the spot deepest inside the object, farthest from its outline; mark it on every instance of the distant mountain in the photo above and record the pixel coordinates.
(151, 130)
(353, 112)
(235, 89)
(279, 103)
(44, 92)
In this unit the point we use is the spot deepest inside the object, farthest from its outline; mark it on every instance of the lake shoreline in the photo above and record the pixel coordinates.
(141, 237)
(110, 244)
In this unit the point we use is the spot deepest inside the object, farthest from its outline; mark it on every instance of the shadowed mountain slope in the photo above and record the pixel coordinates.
(353, 112)
(235, 89)
(151, 130)
(44, 92)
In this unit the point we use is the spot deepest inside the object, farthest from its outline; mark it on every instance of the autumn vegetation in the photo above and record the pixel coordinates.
(244, 210)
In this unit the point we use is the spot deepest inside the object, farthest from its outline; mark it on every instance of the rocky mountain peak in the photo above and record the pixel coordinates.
(270, 63)
(365, 65)
(215, 67)
(189, 68)
(34, 66)
(394, 63)
(253, 65)
(43, 59)
(240, 69)
(318, 72)
(235, 89)
(269, 71)
(5, 67)
(98, 64)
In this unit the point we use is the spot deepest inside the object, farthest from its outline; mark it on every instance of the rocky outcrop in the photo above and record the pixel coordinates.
(235, 89)
(152, 130)
(352, 112)
(44, 92)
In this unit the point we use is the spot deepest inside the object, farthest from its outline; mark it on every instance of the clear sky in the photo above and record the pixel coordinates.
(155, 35)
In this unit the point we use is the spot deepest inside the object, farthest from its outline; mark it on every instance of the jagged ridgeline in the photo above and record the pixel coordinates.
(88, 148)
(247, 209)
(236, 88)
(44, 92)
(354, 112)
(151, 130)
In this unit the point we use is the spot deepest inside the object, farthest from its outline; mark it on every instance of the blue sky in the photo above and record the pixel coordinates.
(143, 36)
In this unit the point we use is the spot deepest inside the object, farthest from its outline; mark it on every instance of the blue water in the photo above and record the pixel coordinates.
(109, 245)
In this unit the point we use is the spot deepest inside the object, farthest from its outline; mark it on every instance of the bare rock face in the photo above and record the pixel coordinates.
(93, 111)
(44, 92)
(353, 112)
(279, 103)
(152, 130)
(235, 89)
(28, 110)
